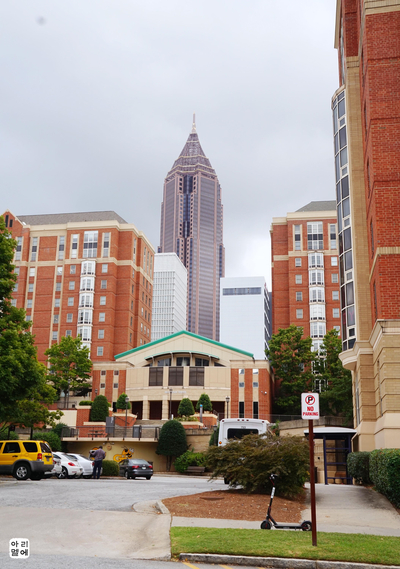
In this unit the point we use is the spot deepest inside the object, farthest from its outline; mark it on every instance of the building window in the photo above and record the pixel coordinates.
(202, 362)
(175, 376)
(299, 296)
(55, 336)
(100, 334)
(106, 244)
(297, 262)
(18, 250)
(15, 289)
(29, 303)
(183, 361)
(335, 277)
(74, 247)
(156, 376)
(102, 385)
(87, 283)
(334, 261)
(315, 236)
(196, 376)
(99, 350)
(241, 409)
(115, 385)
(85, 316)
(299, 313)
(14, 302)
(335, 295)
(315, 261)
(332, 235)
(57, 303)
(337, 328)
(317, 329)
(104, 268)
(71, 285)
(316, 278)
(317, 312)
(255, 409)
(336, 312)
(70, 317)
(30, 287)
(90, 244)
(102, 317)
(32, 272)
(16, 271)
(55, 318)
(86, 300)
(68, 332)
(298, 279)
(34, 248)
(59, 271)
(297, 237)
(72, 269)
(103, 372)
(70, 301)
(116, 372)
(61, 247)
(102, 300)
(103, 285)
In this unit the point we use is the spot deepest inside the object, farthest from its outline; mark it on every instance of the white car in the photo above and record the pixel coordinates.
(86, 464)
(57, 469)
(69, 466)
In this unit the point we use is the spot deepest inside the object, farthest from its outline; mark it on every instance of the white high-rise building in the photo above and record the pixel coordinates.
(245, 314)
(169, 296)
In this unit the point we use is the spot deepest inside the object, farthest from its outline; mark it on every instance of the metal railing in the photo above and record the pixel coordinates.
(150, 432)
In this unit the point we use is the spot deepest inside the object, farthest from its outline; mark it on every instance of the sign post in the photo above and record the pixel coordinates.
(310, 411)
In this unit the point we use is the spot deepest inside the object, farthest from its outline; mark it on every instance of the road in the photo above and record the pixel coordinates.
(80, 521)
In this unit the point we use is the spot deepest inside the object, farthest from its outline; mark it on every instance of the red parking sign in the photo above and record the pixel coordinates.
(310, 406)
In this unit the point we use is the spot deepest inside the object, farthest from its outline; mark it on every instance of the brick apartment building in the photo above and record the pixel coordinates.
(88, 275)
(366, 119)
(305, 270)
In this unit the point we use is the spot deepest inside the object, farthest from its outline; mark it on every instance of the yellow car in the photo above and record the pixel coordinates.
(25, 459)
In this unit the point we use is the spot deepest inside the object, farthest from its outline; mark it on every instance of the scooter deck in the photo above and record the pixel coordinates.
(281, 525)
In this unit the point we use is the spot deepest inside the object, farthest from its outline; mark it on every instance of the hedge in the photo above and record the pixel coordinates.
(358, 467)
(110, 468)
(189, 458)
(384, 469)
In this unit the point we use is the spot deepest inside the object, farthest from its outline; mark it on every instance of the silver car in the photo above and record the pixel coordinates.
(85, 463)
(69, 466)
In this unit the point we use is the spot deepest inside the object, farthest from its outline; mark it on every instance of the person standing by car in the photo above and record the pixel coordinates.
(98, 457)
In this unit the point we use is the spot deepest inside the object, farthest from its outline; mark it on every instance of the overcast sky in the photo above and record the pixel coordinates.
(97, 98)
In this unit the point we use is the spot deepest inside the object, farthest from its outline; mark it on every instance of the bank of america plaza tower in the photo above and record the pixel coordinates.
(191, 226)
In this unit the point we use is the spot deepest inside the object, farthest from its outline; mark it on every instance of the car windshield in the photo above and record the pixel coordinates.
(69, 456)
(45, 447)
(138, 461)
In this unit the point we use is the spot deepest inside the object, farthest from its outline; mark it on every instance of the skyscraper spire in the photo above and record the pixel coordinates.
(194, 123)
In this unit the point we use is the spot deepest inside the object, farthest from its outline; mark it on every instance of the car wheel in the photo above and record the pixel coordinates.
(266, 524)
(63, 474)
(22, 472)
(148, 477)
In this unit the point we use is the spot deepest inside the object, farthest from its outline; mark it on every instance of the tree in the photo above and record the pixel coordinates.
(50, 437)
(122, 403)
(24, 391)
(291, 358)
(70, 366)
(100, 409)
(172, 441)
(205, 401)
(185, 408)
(336, 397)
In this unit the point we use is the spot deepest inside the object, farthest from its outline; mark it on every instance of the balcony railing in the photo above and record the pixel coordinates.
(150, 432)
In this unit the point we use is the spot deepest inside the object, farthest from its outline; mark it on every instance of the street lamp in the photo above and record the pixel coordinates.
(126, 414)
(170, 403)
(227, 399)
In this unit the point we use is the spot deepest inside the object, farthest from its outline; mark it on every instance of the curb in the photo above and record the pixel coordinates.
(279, 562)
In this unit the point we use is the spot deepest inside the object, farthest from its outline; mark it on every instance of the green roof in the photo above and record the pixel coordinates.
(182, 332)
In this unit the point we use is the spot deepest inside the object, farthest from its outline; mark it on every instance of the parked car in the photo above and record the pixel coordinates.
(86, 464)
(69, 466)
(56, 467)
(135, 468)
(25, 459)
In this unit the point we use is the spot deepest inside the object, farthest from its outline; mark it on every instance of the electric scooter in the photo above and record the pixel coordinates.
(269, 521)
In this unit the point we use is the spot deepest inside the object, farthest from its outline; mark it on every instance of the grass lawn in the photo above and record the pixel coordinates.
(297, 544)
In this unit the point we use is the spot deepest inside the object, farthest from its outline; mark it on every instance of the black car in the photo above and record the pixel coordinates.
(135, 468)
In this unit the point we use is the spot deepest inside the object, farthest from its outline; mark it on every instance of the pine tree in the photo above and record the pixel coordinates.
(122, 403)
(185, 408)
(205, 401)
(100, 409)
(172, 441)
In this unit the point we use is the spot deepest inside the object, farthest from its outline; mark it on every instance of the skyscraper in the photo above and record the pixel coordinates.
(366, 121)
(191, 226)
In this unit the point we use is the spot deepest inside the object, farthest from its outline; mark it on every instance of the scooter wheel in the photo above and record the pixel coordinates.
(306, 526)
(266, 524)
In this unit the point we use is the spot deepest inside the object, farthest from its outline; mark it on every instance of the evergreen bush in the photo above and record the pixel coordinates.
(358, 467)
(122, 403)
(50, 437)
(172, 441)
(250, 461)
(384, 469)
(100, 409)
(185, 408)
(58, 429)
(85, 402)
(189, 458)
(110, 468)
(205, 401)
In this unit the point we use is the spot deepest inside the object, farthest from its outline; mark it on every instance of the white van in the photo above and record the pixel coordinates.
(238, 428)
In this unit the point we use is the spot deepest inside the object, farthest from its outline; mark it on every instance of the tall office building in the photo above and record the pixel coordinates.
(191, 226)
(84, 274)
(305, 271)
(169, 296)
(246, 314)
(366, 122)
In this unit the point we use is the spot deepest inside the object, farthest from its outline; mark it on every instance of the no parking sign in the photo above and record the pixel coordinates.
(310, 406)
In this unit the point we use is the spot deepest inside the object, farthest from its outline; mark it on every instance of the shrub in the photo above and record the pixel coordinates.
(185, 408)
(100, 409)
(85, 402)
(110, 468)
(189, 458)
(250, 461)
(205, 401)
(122, 403)
(358, 467)
(214, 438)
(58, 429)
(49, 436)
(6, 435)
(384, 468)
(172, 441)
